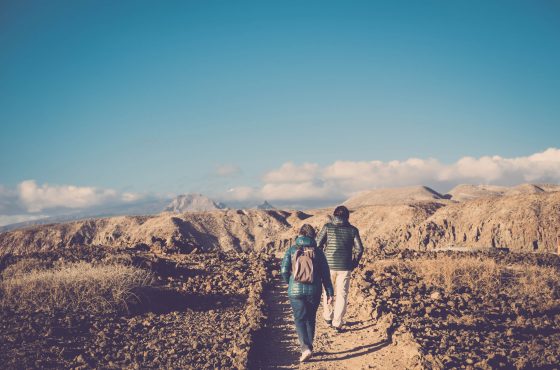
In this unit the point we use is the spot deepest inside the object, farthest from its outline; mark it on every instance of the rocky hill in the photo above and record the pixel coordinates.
(394, 196)
(201, 231)
(467, 192)
(192, 202)
(523, 222)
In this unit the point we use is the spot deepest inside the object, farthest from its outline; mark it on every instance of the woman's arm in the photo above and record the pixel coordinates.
(286, 266)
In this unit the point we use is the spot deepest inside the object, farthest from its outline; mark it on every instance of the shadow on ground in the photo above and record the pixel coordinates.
(162, 301)
(351, 353)
(275, 345)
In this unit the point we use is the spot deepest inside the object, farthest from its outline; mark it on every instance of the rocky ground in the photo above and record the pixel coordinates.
(398, 319)
(208, 310)
(202, 314)
(464, 328)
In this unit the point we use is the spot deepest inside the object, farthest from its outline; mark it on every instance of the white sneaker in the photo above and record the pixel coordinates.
(305, 355)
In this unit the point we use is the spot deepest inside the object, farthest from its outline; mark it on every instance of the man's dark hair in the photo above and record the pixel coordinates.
(307, 230)
(342, 213)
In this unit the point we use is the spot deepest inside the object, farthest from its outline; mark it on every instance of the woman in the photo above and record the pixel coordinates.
(306, 296)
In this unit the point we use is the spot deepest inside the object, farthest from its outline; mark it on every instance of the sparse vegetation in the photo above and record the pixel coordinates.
(454, 273)
(529, 283)
(29, 286)
(492, 310)
(24, 267)
(535, 285)
(201, 313)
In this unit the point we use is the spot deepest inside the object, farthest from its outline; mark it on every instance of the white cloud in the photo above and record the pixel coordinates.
(304, 184)
(295, 191)
(350, 177)
(291, 173)
(131, 197)
(36, 198)
(538, 167)
(227, 170)
(339, 180)
(240, 194)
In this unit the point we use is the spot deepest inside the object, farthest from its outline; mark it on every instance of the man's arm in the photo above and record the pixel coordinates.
(322, 237)
(358, 248)
(286, 266)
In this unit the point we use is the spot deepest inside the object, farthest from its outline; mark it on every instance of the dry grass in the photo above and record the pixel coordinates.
(28, 286)
(23, 267)
(533, 285)
(538, 285)
(482, 275)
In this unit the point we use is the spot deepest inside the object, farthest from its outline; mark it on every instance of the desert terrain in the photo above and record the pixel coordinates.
(467, 279)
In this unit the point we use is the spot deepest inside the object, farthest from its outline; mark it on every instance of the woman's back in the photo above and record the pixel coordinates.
(321, 273)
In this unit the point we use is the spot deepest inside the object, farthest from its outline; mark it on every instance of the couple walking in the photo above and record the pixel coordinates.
(317, 262)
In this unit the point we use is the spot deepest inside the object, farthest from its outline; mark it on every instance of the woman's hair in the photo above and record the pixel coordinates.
(307, 230)
(342, 213)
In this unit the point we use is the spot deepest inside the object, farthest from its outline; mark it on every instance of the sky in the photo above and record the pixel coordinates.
(297, 102)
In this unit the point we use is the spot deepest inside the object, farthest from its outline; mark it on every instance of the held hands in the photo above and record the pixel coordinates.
(330, 300)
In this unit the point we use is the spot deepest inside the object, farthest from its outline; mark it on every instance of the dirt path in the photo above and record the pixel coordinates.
(364, 344)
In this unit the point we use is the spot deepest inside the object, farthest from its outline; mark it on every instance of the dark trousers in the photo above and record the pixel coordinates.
(305, 311)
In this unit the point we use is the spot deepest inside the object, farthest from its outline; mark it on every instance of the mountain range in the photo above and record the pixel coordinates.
(524, 218)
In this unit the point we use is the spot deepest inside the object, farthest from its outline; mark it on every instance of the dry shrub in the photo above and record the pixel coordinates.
(534, 286)
(453, 273)
(121, 259)
(74, 287)
(23, 267)
(537, 284)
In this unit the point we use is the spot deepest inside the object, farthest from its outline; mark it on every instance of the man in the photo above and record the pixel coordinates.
(305, 297)
(343, 249)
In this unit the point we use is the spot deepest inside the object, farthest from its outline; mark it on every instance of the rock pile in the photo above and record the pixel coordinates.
(463, 328)
(202, 314)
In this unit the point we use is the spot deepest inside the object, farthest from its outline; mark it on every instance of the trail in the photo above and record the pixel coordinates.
(363, 345)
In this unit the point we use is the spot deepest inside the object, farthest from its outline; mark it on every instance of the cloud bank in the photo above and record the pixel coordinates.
(309, 183)
(30, 201)
(294, 185)
(36, 198)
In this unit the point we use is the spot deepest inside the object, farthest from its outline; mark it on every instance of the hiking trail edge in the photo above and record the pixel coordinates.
(363, 345)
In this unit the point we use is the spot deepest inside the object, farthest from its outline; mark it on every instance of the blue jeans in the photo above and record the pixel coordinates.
(305, 312)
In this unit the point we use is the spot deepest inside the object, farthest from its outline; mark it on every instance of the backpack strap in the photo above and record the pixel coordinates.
(310, 251)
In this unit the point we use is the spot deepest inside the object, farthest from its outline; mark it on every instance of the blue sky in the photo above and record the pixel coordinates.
(157, 97)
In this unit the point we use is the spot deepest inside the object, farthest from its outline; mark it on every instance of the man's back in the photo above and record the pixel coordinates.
(342, 244)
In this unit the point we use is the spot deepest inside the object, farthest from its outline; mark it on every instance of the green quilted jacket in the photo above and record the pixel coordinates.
(321, 272)
(342, 245)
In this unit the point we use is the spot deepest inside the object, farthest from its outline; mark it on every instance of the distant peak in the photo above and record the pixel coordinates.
(193, 202)
(265, 205)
